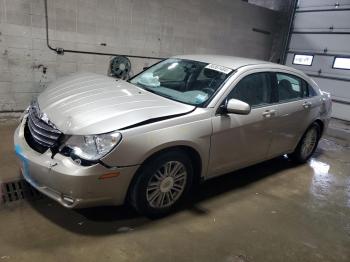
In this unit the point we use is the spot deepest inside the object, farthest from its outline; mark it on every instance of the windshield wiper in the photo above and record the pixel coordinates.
(149, 89)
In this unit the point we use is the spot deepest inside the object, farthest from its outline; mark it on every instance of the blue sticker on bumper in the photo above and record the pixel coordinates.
(25, 165)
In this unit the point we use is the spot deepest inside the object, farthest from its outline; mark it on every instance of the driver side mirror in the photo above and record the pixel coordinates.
(236, 106)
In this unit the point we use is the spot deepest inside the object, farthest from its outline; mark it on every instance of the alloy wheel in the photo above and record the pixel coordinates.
(166, 185)
(309, 143)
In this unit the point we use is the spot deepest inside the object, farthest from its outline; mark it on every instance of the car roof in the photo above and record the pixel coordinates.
(232, 62)
(235, 62)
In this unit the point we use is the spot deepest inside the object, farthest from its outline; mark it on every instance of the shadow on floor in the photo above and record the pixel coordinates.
(102, 221)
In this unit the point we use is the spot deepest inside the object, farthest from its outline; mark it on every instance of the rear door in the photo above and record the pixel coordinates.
(297, 107)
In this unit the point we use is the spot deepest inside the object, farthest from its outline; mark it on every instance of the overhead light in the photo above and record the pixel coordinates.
(341, 63)
(303, 60)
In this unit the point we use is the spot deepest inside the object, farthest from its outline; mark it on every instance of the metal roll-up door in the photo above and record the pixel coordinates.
(320, 46)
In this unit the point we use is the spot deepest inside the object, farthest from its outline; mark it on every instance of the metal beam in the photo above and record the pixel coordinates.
(317, 53)
(322, 10)
(330, 77)
(320, 33)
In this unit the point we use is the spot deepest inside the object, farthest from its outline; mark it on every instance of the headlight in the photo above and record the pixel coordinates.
(93, 147)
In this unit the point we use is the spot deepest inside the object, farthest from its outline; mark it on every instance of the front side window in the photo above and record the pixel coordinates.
(254, 89)
(186, 81)
(289, 87)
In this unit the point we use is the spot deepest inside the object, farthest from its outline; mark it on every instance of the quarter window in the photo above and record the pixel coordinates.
(254, 89)
(311, 90)
(289, 87)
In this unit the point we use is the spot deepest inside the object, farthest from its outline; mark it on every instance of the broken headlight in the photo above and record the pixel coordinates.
(93, 147)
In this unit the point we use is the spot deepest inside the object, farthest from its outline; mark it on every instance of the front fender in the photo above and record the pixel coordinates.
(138, 144)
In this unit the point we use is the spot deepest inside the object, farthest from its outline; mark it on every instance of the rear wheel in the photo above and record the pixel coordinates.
(162, 183)
(307, 144)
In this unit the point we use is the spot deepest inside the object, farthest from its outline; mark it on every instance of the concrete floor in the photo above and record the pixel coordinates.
(274, 211)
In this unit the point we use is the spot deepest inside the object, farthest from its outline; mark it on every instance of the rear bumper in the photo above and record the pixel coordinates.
(68, 183)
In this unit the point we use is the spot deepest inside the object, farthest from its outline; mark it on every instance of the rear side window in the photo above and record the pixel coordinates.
(254, 89)
(290, 87)
(310, 90)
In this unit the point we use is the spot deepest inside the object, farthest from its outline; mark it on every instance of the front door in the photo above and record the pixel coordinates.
(241, 140)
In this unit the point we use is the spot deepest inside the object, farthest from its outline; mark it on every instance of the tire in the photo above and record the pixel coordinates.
(156, 193)
(303, 151)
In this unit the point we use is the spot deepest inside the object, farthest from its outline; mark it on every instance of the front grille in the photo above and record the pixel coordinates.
(39, 134)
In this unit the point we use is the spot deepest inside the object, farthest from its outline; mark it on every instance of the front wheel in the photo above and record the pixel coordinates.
(162, 183)
(307, 144)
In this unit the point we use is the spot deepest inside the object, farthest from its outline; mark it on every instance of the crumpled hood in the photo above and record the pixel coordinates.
(88, 103)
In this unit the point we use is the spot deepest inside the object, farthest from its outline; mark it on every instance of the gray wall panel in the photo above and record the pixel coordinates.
(341, 111)
(339, 89)
(318, 42)
(322, 20)
(323, 63)
(322, 28)
(322, 4)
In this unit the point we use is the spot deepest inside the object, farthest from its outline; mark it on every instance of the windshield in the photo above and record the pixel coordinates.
(186, 81)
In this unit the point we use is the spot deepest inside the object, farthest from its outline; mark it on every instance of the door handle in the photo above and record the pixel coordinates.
(307, 105)
(269, 113)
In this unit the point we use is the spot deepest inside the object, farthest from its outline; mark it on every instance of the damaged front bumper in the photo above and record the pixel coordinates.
(70, 184)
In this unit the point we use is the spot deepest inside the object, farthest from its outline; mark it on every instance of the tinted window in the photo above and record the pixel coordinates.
(310, 91)
(289, 87)
(254, 89)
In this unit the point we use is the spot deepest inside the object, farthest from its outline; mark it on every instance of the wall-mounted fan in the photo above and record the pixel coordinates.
(120, 67)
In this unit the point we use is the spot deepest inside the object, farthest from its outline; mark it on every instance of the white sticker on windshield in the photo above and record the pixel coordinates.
(219, 68)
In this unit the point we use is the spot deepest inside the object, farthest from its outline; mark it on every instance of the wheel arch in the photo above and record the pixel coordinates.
(192, 153)
(321, 124)
(296, 154)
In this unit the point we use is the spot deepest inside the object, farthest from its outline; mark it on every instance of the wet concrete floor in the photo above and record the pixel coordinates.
(274, 211)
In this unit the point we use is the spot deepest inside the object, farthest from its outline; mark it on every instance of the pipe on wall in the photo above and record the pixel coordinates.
(61, 51)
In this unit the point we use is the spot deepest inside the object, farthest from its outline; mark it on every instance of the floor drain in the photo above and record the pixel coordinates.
(18, 190)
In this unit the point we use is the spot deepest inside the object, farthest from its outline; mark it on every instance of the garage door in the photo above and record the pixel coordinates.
(320, 46)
